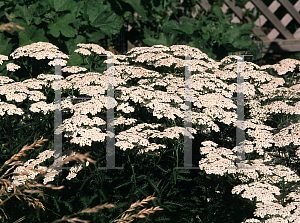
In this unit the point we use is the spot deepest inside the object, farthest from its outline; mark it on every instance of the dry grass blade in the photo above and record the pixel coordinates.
(9, 162)
(32, 191)
(48, 185)
(15, 157)
(142, 214)
(88, 210)
(34, 202)
(20, 219)
(26, 188)
(4, 213)
(81, 157)
(8, 26)
(97, 208)
(138, 203)
(74, 220)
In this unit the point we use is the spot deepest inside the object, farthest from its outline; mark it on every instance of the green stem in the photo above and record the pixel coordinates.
(283, 191)
(132, 172)
(177, 155)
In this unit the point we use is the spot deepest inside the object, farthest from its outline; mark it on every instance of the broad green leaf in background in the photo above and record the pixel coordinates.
(188, 28)
(32, 35)
(218, 12)
(174, 27)
(61, 24)
(101, 17)
(185, 19)
(77, 23)
(230, 36)
(75, 59)
(202, 45)
(148, 32)
(128, 17)
(5, 46)
(242, 42)
(95, 36)
(246, 28)
(79, 7)
(37, 20)
(5, 49)
(163, 39)
(62, 5)
(72, 43)
(137, 6)
(206, 36)
(26, 13)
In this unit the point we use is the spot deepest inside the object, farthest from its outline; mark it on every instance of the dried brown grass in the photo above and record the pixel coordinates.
(7, 27)
(141, 214)
(21, 192)
(125, 218)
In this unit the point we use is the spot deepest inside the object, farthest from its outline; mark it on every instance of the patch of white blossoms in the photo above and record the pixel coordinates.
(211, 89)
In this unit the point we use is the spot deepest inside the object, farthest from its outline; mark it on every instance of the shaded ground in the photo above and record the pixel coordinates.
(273, 58)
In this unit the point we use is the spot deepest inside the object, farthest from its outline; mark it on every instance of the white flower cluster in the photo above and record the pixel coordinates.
(12, 67)
(73, 69)
(73, 172)
(31, 168)
(210, 94)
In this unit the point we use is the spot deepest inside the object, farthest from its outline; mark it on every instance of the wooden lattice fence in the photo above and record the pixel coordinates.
(271, 38)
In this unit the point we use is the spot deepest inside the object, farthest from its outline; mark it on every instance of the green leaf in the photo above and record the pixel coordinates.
(205, 29)
(25, 13)
(43, 8)
(54, 30)
(141, 177)
(230, 36)
(37, 20)
(95, 37)
(101, 17)
(163, 39)
(62, 5)
(78, 9)
(203, 18)
(5, 46)
(148, 32)
(165, 171)
(138, 8)
(246, 27)
(142, 192)
(154, 186)
(31, 35)
(61, 25)
(128, 17)
(74, 60)
(185, 19)
(102, 193)
(183, 178)
(77, 23)
(122, 185)
(174, 175)
(206, 36)
(218, 12)
(172, 27)
(242, 42)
